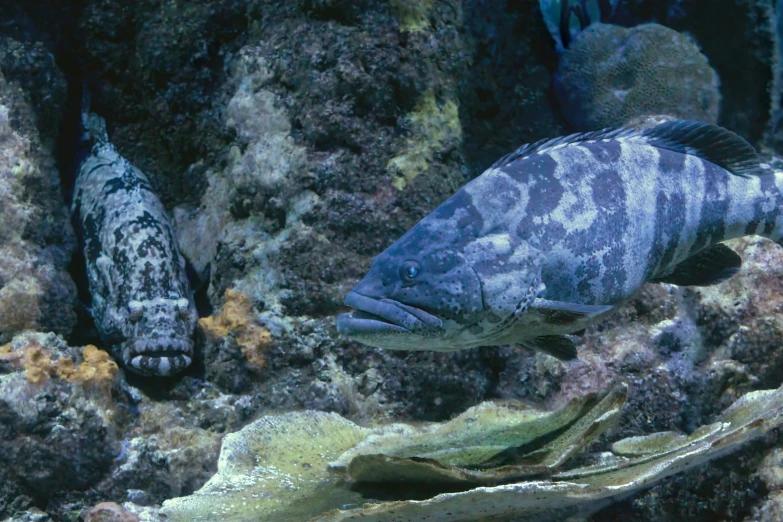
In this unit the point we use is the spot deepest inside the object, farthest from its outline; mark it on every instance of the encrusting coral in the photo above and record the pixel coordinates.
(96, 369)
(238, 319)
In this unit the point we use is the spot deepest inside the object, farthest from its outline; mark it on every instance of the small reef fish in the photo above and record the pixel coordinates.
(558, 233)
(565, 19)
(141, 299)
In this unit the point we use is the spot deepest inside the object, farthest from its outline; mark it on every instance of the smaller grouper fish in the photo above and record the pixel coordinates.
(557, 234)
(141, 299)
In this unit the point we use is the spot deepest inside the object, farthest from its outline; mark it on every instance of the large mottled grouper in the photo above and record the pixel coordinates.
(560, 232)
(140, 296)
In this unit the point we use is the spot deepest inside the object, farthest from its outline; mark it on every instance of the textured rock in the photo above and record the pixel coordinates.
(656, 71)
(738, 38)
(235, 344)
(109, 512)
(56, 435)
(293, 141)
(36, 240)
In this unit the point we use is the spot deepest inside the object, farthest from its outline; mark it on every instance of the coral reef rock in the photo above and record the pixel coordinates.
(36, 241)
(109, 512)
(235, 343)
(292, 142)
(57, 431)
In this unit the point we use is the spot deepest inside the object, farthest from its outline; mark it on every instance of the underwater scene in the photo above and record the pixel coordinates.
(391, 260)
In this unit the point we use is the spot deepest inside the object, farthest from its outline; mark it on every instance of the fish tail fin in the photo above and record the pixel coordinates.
(94, 127)
(84, 140)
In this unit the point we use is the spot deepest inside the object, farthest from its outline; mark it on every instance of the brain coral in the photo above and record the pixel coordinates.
(611, 74)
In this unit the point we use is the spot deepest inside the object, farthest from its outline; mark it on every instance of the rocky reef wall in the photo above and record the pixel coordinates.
(292, 142)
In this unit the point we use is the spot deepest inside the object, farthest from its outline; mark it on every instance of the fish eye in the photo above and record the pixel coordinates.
(410, 270)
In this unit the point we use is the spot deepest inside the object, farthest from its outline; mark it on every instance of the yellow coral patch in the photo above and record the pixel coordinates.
(433, 126)
(38, 363)
(98, 369)
(239, 319)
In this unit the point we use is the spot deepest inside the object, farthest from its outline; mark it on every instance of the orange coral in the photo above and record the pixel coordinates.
(38, 363)
(8, 355)
(239, 318)
(97, 368)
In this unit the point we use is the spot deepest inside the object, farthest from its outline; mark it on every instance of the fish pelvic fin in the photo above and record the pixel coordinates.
(561, 347)
(558, 313)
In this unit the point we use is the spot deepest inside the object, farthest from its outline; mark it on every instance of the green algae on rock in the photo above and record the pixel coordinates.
(433, 127)
(412, 15)
(275, 470)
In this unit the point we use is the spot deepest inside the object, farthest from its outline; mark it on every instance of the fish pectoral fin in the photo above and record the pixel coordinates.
(710, 266)
(559, 346)
(560, 313)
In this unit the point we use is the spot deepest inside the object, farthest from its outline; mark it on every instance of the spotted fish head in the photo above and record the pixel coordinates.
(435, 296)
(157, 335)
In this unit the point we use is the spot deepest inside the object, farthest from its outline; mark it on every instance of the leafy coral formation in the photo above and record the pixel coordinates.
(276, 468)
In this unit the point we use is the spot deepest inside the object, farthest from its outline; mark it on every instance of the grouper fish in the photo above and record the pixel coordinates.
(141, 299)
(559, 233)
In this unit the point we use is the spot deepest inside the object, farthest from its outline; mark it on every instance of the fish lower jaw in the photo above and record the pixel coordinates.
(384, 316)
(161, 366)
(358, 323)
(158, 356)
(409, 341)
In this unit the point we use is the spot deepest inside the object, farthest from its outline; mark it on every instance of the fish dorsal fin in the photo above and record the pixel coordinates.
(708, 142)
(548, 144)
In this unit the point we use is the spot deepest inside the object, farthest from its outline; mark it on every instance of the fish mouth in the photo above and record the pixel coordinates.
(158, 356)
(373, 316)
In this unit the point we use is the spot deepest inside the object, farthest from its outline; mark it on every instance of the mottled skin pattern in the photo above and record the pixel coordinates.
(141, 300)
(558, 234)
